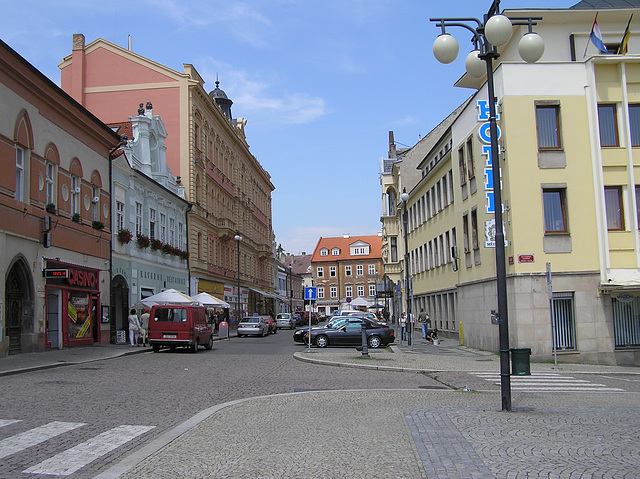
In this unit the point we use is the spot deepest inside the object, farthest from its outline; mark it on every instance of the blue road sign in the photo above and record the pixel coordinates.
(310, 293)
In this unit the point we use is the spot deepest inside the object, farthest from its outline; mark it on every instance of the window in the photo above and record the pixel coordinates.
(554, 204)
(348, 291)
(563, 320)
(75, 195)
(359, 270)
(372, 290)
(152, 223)
(463, 168)
(119, 215)
(548, 124)
(332, 271)
(172, 227)
(470, 167)
(638, 204)
(95, 203)
(465, 232)
(347, 270)
(51, 185)
(320, 293)
(474, 229)
(138, 218)
(372, 269)
(324, 252)
(393, 241)
(608, 125)
(360, 291)
(634, 120)
(335, 252)
(333, 291)
(613, 205)
(180, 237)
(320, 272)
(163, 227)
(20, 174)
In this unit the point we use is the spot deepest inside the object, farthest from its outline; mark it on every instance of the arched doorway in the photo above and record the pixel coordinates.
(119, 306)
(19, 304)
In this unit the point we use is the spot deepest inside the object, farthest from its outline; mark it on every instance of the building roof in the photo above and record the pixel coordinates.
(343, 244)
(604, 4)
(300, 264)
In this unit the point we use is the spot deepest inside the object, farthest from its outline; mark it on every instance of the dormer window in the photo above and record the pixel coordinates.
(335, 252)
(324, 252)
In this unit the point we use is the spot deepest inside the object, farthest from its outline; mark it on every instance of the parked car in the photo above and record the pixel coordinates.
(304, 318)
(176, 325)
(285, 320)
(253, 325)
(349, 334)
(273, 327)
(336, 322)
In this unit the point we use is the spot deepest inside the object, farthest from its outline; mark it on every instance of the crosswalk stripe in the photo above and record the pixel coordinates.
(6, 422)
(69, 461)
(24, 440)
(539, 382)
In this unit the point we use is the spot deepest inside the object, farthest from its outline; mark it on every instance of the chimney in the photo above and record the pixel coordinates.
(392, 146)
(77, 68)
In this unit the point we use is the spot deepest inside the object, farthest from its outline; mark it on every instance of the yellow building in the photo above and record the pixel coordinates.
(569, 137)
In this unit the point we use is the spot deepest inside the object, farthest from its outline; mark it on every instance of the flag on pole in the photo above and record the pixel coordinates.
(624, 44)
(596, 36)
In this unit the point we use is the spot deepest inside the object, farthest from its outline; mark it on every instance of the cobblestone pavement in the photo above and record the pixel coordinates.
(396, 433)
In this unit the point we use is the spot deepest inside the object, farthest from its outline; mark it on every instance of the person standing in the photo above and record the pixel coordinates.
(403, 327)
(425, 321)
(134, 327)
(144, 326)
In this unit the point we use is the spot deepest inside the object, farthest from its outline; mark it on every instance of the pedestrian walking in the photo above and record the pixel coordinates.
(403, 327)
(144, 326)
(134, 327)
(425, 322)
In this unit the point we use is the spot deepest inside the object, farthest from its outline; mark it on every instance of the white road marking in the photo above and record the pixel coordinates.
(6, 422)
(29, 438)
(540, 382)
(69, 461)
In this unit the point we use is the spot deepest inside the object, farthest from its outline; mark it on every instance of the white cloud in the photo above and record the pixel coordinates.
(254, 97)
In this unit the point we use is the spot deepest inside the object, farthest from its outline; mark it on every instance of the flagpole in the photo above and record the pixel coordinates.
(589, 37)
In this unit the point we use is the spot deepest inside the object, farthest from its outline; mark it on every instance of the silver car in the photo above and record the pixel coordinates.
(254, 325)
(285, 320)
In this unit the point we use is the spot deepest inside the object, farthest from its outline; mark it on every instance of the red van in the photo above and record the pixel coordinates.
(174, 325)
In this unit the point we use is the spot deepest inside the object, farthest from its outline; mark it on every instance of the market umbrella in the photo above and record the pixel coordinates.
(168, 296)
(209, 300)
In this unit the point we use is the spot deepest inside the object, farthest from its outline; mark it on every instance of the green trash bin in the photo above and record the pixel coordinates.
(520, 362)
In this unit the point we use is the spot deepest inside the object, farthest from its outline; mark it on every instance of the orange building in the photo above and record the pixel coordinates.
(54, 214)
(345, 270)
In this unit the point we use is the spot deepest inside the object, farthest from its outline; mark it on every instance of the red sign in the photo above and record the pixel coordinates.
(60, 273)
(525, 258)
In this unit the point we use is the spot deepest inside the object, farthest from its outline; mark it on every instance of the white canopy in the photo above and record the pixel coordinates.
(168, 296)
(209, 300)
(359, 301)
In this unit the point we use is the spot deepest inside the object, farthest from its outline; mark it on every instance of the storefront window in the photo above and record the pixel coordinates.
(79, 315)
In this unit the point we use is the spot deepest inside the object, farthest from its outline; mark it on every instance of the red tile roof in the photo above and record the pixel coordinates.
(343, 244)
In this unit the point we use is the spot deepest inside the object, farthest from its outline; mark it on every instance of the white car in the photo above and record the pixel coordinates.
(254, 325)
(285, 320)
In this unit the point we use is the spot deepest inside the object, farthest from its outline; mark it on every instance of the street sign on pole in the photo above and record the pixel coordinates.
(310, 293)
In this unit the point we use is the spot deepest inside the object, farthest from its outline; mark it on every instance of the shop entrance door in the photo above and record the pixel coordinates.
(53, 320)
(14, 308)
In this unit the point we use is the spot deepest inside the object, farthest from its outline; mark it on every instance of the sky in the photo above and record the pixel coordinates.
(321, 83)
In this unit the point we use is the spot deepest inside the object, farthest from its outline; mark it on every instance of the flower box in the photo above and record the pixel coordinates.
(125, 236)
(143, 241)
(97, 225)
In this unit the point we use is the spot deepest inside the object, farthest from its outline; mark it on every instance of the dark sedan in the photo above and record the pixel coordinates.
(336, 322)
(350, 334)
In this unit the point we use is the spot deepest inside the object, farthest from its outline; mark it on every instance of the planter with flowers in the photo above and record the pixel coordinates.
(143, 241)
(97, 225)
(156, 244)
(125, 236)
(51, 208)
(184, 254)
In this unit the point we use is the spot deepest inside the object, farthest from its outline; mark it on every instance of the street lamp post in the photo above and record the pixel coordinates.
(404, 197)
(495, 30)
(238, 238)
